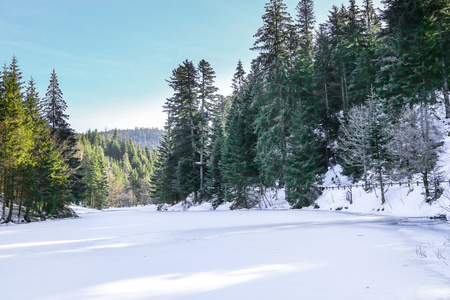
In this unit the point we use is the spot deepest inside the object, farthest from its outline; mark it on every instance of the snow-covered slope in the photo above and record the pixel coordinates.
(400, 200)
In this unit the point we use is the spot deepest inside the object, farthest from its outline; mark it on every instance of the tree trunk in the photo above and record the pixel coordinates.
(346, 89)
(343, 89)
(326, 101)
(426, 185)
(4, 198)
(445, 91)
(383, 197)
(11, 203)
(193, 149)
(20, 205)
(201, 148)
(26, 217)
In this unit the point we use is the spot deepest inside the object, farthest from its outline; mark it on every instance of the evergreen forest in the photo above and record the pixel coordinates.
(361, 90)
(143, 137)
(115, 172)
(45, 165)
(39, 165)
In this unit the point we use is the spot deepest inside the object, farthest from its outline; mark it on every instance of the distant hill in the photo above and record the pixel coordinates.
(144, 137)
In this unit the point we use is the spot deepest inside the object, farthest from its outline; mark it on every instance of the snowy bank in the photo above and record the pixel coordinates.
(401, 201)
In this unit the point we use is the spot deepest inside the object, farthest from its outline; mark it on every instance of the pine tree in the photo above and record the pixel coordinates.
(214, 178)
(363, 76)
(238, 163)
(271, 90)
(181, 153)
(272, 38)
(305, 162)
(302, 72)
(305, 25)
(55, 105)
(338, 87)
(186, 126)
(322, 80)
(410, 67)
(354, 143)
(239, 78)
(379, 125)
(95, 177)
(35, 124)
(208, 107)
(56, 179)
(364, 140)
(15, 140)
(165, 174)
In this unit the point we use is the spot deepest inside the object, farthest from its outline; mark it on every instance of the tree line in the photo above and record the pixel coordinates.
(143, 137)
(116, 172)
(38, 160)
(45, 165)
(360, 90)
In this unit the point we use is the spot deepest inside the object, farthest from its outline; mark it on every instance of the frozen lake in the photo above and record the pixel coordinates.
(139, 253)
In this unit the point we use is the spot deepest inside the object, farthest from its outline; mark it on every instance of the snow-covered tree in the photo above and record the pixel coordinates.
(363, 141)
(415, 145)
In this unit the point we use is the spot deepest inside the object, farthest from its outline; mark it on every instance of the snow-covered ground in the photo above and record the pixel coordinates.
(401, 201)
(140, 253)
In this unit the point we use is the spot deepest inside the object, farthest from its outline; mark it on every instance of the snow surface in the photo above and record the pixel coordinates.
(400, 200)
(141, 253)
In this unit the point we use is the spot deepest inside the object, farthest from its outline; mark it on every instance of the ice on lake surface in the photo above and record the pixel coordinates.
(140, 253)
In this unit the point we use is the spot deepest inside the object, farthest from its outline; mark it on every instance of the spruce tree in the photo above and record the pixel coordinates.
(239, 78)
(305, 24)
(165, 176)
(305, 162)
(271, 90)
(322, 81)
(415, 146)
(55, 105)
(238, 162)
(95, 177)
(15, 138)
(179, 160)
(206, 94)
(35, 123)
(214, 178)
(364, 141)
(411, 64)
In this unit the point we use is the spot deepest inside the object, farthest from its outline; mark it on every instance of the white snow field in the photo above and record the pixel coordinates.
(139, 253)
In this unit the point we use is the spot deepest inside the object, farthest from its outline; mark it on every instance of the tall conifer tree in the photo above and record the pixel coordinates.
(55, 105)
(271, 90)
(14, 140)
(207, 99)
(182, 138)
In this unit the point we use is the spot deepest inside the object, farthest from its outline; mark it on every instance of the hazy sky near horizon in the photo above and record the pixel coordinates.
(113, 58)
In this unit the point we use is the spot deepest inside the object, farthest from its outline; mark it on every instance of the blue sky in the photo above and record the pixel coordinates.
(112, 58)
